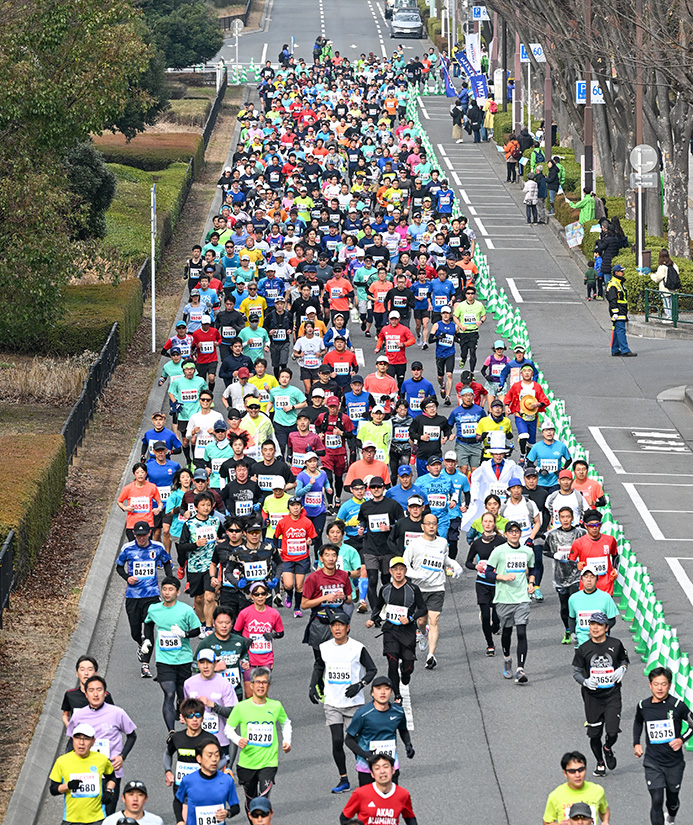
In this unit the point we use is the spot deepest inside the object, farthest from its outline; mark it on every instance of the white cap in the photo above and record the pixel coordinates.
(318, 391)
(311, 309)
(85, 729)
(547, 424)
(278, 483)
(381, 358)
(394, 314)
(451, 455)
(446, 308)
(378, 408)
(360, 252)
(369, 444)
(311, 454)
(205, 319)
(497, 441)
(227, 169)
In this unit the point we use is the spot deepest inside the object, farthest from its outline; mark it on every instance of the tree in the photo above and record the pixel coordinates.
(94, 186)
(186, 31)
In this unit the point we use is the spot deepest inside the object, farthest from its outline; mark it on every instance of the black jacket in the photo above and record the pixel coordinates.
(608, 247)
(525, 140)
(552, 181)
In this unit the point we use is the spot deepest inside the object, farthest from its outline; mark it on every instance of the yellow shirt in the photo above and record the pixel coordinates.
(84, 805)
(254, 254)
(265, 384)
(254, 306)
(275, 509)
(487, 425)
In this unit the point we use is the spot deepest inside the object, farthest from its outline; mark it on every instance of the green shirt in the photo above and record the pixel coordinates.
(469, 314)
(278, 396)
(172, 371)
(506, 559)
(187, 392)
(559, 802)
(233, 651)
(362, 278)
(254, 342)
(349, 560)
(171, 649)
(582, 605)
(215, 455)
(258, 724)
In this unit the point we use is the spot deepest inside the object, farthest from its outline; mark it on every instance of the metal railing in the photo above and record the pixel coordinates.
(6, 572)
(212, 116)
(676, 307)
(99, 375)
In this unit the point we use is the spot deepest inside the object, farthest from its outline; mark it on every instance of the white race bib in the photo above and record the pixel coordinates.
(338, 675)
(265, 482)
(310, 361)
(183, 769)
(169, 640)
(433, 563)
(260, 734)
(433, 433)
(164, 492)
(393, 345)
(341, 368)
(282, 402)
(313, 499)
(102, 746)
(296, 547)
(210, 722)
(469, 320)
(255, 571)
(91, 785)
(244, 508)
(279, 334)
(188, 396)
(377, 521)
(467, 429)
(603, 675)
(415, 403)
(140, 504)
(496, 369)
(144, 569)
(228, 332)
(298, 459)
(549, 464)
(409, 538)
(205, 347)
(516, 563)
(206, 814)
(437, 501)
(388, 746)
(260, 645)
(661, 731)
(333, 442)
(394, 613)
(600, 565)
(583, 619)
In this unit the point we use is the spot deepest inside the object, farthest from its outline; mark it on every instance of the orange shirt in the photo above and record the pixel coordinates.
(378, 290)
(141, 499)
(590, 488)
(359, 469)
(338, 291)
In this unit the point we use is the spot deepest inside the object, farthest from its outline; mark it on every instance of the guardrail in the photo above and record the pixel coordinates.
(6, 572)
(241, 15)
(676, 307)
(81, 413)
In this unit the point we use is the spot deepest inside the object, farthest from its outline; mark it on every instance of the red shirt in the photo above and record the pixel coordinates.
(338, 291)
(184, 344)
(300, 445)
(479, 391)
(394, 341)
(206, 344)
(373, 808)
(141, 499)
(378, 290)
(384, 390)
(599, 553)
(252, 623)
(294, 535)
(342, 363)
(318, 583)
(334, 444)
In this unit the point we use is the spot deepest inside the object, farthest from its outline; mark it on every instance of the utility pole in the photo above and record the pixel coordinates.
(639, 212)
(505, 67)
(588, 122)
(517, 112)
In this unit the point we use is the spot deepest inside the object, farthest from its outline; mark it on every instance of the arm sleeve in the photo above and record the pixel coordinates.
(286, 731)
(490, 573)
(53, 788)
(352, 743)
(120, 570)
(130, 740)
(369, 665)
(637, 726)
(578, 675)
(318, 670)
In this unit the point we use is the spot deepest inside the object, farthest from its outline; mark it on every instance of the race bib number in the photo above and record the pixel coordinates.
(394, 613)
(378, 521)
(210, 722)
(296, 547)
(254, 343)
(401, 434)
(183, 769)
(467, 429)
(279, 334)
(549, 464)
(260, 645)
(604, 676)
(206, 347)
(313, 499)
(388, 746)
(357, 411)
(273, 294)
(515, 563)
(188, 396)
(439, 300)
(228, 332)
(333, 442)
(409, 538)
(433, 433)
(255, 571)
(499, 490)
(216, 465)
(446, 340)
(496, 369)
(380, 454)
(169, 640)
(338, 675)
(298, 459)
(260, 734)
(90, 788)
(600, 565)
(102, 746)
(265, 482)
(661, 731)
(164, 492)
(433, 563)
(244, 508)
(437, 501)
(310, 361)
(341, 368)
(583, 619)
(206, 814)
(144, 569)
(232, 677)
(336, 292)
(392, 345)
(275, 518)
(282, 402)
(469, 320)
(206, 532)
(140, 504)
(415, 403)
(264, 395)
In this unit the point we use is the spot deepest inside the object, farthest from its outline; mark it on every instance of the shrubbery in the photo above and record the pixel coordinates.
(152, 152)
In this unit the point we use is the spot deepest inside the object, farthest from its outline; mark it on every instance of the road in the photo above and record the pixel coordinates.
(484, 746)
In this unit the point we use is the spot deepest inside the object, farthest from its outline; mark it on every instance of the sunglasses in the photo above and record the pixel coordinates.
(576, 770)
(259, 593)
(195, 715)
(258, 814)
(234, 530)
(594, 524)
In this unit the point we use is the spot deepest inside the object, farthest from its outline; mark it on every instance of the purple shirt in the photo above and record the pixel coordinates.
(109, 722)
(221, 692)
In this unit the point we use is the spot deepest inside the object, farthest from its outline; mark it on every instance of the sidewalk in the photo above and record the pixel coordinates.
(641, 444)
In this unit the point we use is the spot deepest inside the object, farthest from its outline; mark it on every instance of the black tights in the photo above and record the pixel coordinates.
(657, 800)
(337, 485)
(373, 585)
(506, 638)
(563, 596)
(337, 734)
(173, 696)
(596, 745)
(489, 622)
(395, 668)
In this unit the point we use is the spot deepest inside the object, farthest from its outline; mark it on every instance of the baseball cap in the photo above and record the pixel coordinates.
(174, 351)
(278, 483)
(466, 376)
(531, 471)
(159, 445)
(514, 482)
(378, 408)
(141, 528)
(318, 392)
(219, 426)
(356, 379)
(415, 499)
(310, 454)
(377, 481)
(260, 803)
(496, 402)
(512, 525)
(85, 730)
(397, 560)
(518, 348)
(295, 500)
(339, 616)
(208, 655)
(135, 785)
(404, 470)
(205, 319)
(580, 809)
(381, 358)
(244, 372)
(332, 399)
(565, 474)
(358, 482)
(394, 314)
(434, 459)
(311, 309)
(180, 324)
(547, 425)
(382, 680)
(499, 344)
(416, 365)
(617, 268)
(450, 455)
(599, 618)
(589, 568)
(200, 475)
(367, 444)
(446, 308)
(325, 368)
(197, 291)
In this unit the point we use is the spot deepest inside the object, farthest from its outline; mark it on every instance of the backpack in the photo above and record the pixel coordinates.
(281, 57)
(539, 156)
(493, 108)
(672, 282)
(516, 152)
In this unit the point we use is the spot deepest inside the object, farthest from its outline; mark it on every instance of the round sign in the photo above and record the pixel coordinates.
(236, 27)
(643, 158)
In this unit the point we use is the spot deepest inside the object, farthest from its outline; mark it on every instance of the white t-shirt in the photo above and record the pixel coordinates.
(147, 819)
(204, 421)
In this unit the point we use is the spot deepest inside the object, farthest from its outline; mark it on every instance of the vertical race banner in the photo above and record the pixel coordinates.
(450, 90)
(473, 50)
(479, 86)
(463, 61)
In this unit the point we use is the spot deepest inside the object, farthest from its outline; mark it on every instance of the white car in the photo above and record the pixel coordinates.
(406, 23)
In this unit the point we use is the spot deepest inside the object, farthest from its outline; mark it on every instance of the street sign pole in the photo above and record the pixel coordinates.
(643, 159)
(152, 263)
(529, 97)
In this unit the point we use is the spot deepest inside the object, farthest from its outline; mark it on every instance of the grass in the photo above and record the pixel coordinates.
(189, 111)
(127, 220)
(151, 151)
(208, 92)
(45, 380)
(32, 418)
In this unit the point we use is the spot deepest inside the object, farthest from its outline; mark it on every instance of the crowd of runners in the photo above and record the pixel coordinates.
(285, 487)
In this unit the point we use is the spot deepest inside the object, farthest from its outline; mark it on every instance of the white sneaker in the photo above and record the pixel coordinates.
(421, 640)
(670, 820)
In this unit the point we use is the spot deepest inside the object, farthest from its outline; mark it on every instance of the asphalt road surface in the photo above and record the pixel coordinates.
(487, 750)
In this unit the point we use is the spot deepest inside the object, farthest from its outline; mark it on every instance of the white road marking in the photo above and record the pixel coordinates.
(490, 243)
(472, 210)
(448, 163)
(645, 514)
(515, 292)
(456, 178)
(681, 576)
(608, 452)
(423, 109)
(482, 228)
(441, 149)
(465, 196)
(264, 54)
(360, 360)
(661, 433)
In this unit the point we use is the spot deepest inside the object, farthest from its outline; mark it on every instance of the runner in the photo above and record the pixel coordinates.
(380, 802)
(143, 500)
(599, 550)
(342, 669)
(525, 400)
(662, 716)
(261, 624)
(599, 665)
(588, 600)
(376, 519)
(381, 385)
(184, 395)
(134, 798)
(395, 338)
(565, 496)
(465, 419)
(549, 456)
(428, 433)
(575, 791)
(566, 576)
(336, 430)
(492, 368)
(206, 339)
(75, 697)
(416, 388)
(443, 332)
(207, 795)
(231, 649)
(480, 550)
(458, 502)
(301, 442)
(285, 402)
(471, 314)
(216, 694)
(296, 533)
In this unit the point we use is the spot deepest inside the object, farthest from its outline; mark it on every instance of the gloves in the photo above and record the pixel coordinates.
(107, 795)
(313, 695)
(146, 646)
(272, 583)
(268, 636)
(410, 751)
(353, 690)
(178, 631)
(241, 583)
(590, 683)
(543, 472)
(619, 673)
(74, 785)
(456, 572)
(529, 543)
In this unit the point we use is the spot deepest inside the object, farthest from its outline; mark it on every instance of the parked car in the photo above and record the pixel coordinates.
(406, 23)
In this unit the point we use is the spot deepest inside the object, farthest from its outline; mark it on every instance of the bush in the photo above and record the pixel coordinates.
(37, 467)
(434, 28)
(188, 112)
(152, 152)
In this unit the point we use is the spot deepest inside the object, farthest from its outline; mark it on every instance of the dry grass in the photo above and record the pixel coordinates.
(189, 111)
(44, 380)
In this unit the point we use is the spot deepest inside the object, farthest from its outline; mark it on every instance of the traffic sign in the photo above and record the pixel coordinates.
(647, 180)
(479, 13)
(596, 93)
(643, 158)
(537, 52)
(236, 27)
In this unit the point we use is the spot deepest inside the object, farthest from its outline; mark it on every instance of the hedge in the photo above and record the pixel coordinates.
(37, 467)
(153, 152)
(190, 111)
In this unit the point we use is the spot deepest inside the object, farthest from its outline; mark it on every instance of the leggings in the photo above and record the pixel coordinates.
(489, 622)
(657, 804)
(395, 668)
(563, 595)
(255, 783)
(171, 679)
(468, 344)
(337, 484)
(538, 563)
(609, 742)
(506, 638)
(319, 524)
(337, 734)
(373, 585)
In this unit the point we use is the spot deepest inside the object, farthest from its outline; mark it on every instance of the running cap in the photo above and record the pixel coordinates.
(244, 372)
(367, 444)
(415, 499)
(84, 729)
(498, 344)
(141, 528)
(317, 392)
(136, 784)
(379, 681)
(325, 368)
(579, 809)
(599, 618)
(260, 803)
(565, 474)
(332, 400)
(512, 525)
(547, 425)
(434, 459)
(394, 314)
(207, 654)
(219, 427)
(397, 560)
(514, 482)
(356, 379)
(205, 319)
(417, 365)
(180, 324)
(381, 358)
(496, 402)
(278, 483)
(376, 481)
(404, 470)
(589, 568)
(378, 408)
(341, 617)
(446, 308)
(450, 455)
(200, 475)
(519, 348)
(159, 445)
(358, 482)
(310, 455)
(531, 471)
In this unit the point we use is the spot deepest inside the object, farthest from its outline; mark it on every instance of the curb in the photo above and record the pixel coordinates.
(48, 739)
(688, 397)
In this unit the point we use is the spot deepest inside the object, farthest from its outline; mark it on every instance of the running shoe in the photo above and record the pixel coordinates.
(287, 602)
(145, 672)
(566, 640)
(342, 786)
(538, 595)
(298, 614)
(507, 667)
(362, 608)
(368, 333)
(447, 402)
(421, 640)
(431, 662)
(521, 676)
(490, 651)
(670, 820)
(180, 573)
(425, 345)
(600, 770)
(610, 759)
(461, 363)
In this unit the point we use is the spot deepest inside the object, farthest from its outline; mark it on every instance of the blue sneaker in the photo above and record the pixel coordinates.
(343, 786)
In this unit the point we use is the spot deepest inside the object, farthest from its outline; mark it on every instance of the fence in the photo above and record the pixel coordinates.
(80, 415)
(241, 15)
(676, 307)
(6, 572)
